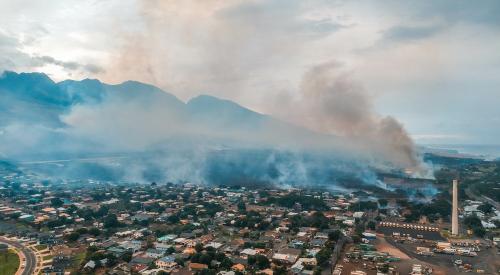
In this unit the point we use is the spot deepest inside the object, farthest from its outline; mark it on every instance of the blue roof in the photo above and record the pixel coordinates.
(167, 259)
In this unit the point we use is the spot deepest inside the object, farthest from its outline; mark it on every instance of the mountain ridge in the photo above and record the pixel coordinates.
(59, 109)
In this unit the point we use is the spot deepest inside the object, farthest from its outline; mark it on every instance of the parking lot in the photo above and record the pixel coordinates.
(486, 260)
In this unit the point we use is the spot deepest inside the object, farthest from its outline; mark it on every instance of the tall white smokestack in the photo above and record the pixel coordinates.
(454, 210)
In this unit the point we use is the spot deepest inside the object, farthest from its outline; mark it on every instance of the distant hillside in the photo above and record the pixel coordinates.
(73, 129)
(33, 101)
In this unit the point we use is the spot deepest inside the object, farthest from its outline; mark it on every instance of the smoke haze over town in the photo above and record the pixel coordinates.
(249, 137)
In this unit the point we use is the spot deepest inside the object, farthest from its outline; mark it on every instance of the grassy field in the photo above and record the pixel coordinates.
(9, 262)
(78, 260)
(40, 247)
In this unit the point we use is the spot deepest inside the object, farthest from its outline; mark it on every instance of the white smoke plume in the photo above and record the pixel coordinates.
(249, 52)
(331, 101)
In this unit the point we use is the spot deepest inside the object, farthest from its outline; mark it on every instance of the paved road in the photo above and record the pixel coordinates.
(28, 254)
(471, 194)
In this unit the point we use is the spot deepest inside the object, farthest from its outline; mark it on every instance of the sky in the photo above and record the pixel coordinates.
(432, 65)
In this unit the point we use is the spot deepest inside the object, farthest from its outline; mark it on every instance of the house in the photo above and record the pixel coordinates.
(318, 242)
(182, 271)
(358, 215)
(133, 246)
(27, 218)
(120, 269)
(141, 260)
(296, 244)
(167, 238)
(180, 241)
(349, 222)
(321, 235)
(154, 253)
(163, 246)
(238, 268)
(166, 262)
(189, 251)
(301, 263)
(90, 265)
(471, 210)
(248, 252)
(215, 245)
(286, 256)
(139, 268)
(117, 251)
(197, 266)
(50, 270)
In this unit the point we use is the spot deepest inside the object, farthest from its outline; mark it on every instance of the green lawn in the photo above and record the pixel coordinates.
(40, 247)
(78, 259)
(9, 262)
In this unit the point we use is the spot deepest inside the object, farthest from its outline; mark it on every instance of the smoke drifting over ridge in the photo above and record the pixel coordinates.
(137, 132)
(238, 50)
(332, 102)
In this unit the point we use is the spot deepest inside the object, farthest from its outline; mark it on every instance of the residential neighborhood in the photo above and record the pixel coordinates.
(106, 228)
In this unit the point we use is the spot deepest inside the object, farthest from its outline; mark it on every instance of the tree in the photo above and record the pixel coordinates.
(280, 270)
(16, 186)
(198, 247)
(170, 250)
(334, 235)
(72, 237)
(383, 202)
(56, 202)
(319, 220)
(82, 230)
(179, 261)
(323, 256)
(262, 262)
(371, 225)
(226, 263)
(127, 256)
(173, 219)
(242, 207)
(94, 231)
(486, 208)
(101, 212)
(474, 223)
(111, 221)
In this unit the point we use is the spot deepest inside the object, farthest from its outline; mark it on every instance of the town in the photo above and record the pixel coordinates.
(112, 228)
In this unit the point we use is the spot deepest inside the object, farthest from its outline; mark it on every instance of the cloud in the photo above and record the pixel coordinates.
(68, 65)
(13, 57)
(256, 52)
(230, 49)
(410, 33)
(459, 11)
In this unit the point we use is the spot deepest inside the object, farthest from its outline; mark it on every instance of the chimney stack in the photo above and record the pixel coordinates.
(454, 210)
